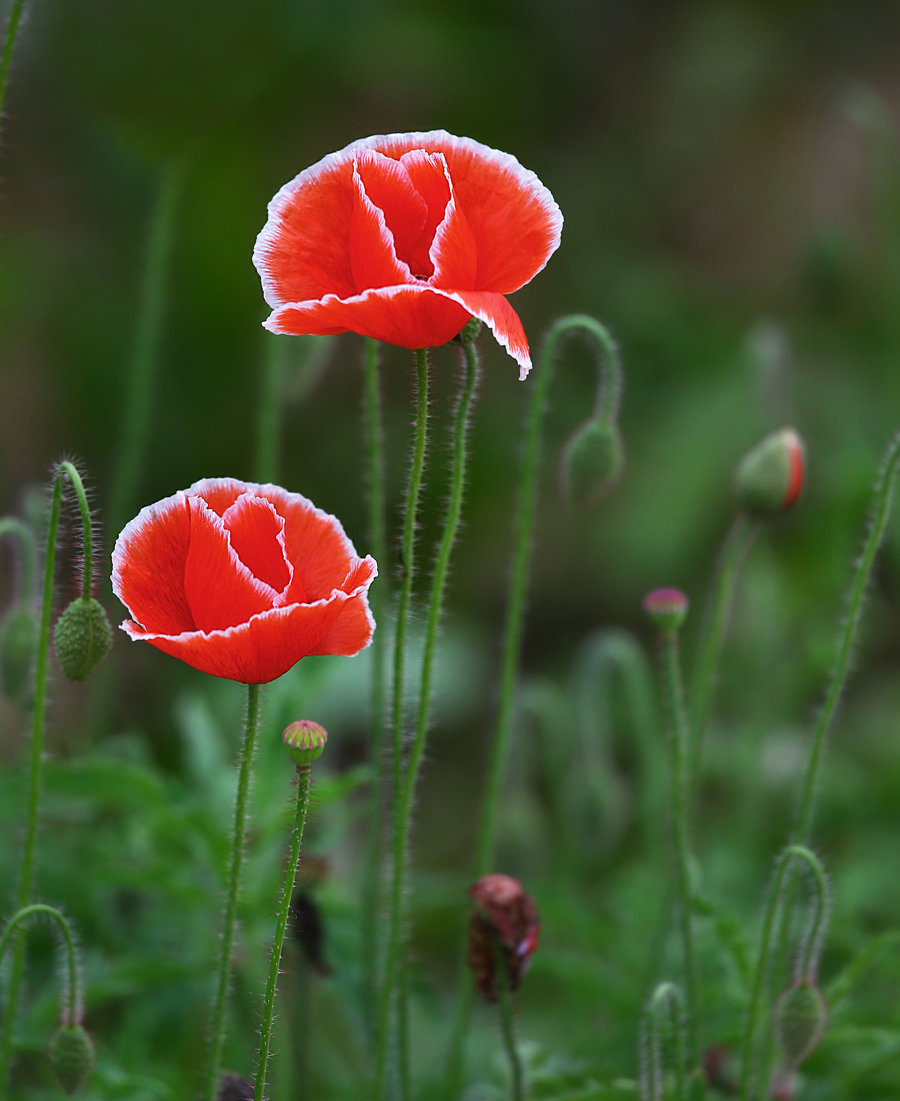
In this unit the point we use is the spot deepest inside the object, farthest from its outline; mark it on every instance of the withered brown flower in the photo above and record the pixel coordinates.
(506, 918)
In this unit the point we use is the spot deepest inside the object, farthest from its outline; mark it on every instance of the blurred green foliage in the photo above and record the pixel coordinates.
(730, 180)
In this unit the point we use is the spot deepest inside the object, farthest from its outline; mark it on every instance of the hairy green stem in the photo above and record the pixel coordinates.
(681, 787)
(12, 29)
(303, 780)
(217, 1032)
(64, 471)
(9, 525)
(735, 546)
(72, 989)
(609, 396)
(386, 993)
(776, 909)
(665, 1000)
(137, 414)
(378, 601)
(504, 1002)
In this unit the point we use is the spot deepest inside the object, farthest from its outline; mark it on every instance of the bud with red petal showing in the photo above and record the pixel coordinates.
(800, 1020)
(667, 608)
(770, 478)
(506, 916)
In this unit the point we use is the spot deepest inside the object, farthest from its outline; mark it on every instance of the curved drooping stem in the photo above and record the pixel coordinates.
(609, 393)
(65, 471)
(248, 748)
(71, 999)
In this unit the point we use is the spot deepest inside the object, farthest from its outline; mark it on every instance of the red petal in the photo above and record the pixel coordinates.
(372, 254)
(219, 588)
(266, 646)
(148, 566)
(454, 252)
(501, 319)
(412, 316)
(257, 537)
(388, 186)
(428, 174)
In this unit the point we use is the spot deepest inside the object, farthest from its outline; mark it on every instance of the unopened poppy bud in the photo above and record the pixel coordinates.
(82, 638)
(506, 920)
(469, 331)
(305, 741)
(591, 463)
(71, 1056)
(770, 478)
(232, 1088)
(667, 608)
(800, 1019)
(18, 638)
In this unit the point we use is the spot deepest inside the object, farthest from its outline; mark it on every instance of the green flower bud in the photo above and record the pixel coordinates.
(592, 463)
(667, 608)
(800, 1019)
(469, 331)
(305, 741)
(770, 478)
(18, 639)
(82, 638)
(71, 1056)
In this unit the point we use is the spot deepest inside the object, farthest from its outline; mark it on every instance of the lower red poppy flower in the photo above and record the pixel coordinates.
(242, 580)
(405, 237)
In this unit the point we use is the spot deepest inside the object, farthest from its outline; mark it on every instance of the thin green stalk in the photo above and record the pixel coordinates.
(378, 601)
(609, 396)
(734, 548)
(217, 1033)
(679, 742)
(72, 988)
(666, 999)
(268, 424)
(504, 1001)
(303, 779)
(435, 608)
(883, 497)
(12, 29)
(386, 994)
(776, 909)
(138, 403)
(65, 470)
(9, 525)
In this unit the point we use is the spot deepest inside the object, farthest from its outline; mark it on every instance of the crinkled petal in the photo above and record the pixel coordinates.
(270, 643)
(387, 185)
(454, 253)
(257, 537)
(411, 316)
(501, 319)
(372, 253)
(220, 590)
(148, 566)
(428, 174)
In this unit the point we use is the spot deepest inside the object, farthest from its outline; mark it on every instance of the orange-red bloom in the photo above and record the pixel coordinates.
(242, 580)
(404, 237)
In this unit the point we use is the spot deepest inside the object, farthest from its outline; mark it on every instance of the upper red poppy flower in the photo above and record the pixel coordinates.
(404, 237)
(242, 580)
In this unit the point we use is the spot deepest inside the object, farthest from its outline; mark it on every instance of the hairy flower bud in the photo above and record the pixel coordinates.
(800, 1020)
(667, 608)
(591, 463)
(18, 639)
(770, 478)
(305, 741)
(506, 918)
(82, 638)
(71, 1056)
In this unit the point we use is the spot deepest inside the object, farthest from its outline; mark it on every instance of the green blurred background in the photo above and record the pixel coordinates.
(730, 181)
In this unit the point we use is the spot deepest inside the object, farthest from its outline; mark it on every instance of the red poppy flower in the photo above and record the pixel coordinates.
(404, 237)
(242, 581)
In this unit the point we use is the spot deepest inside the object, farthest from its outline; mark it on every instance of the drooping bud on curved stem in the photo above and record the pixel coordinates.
(663, 1018)
(71, 1052)
(65, 471)
(771, 476)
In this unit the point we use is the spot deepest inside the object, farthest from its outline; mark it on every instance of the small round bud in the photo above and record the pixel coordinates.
(667, 608)
(71, 1056)
(18, 639)
(82, 638)
(591, 464)
(305, 741)
(469, 331)
(770, 478)
(800, 1019)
